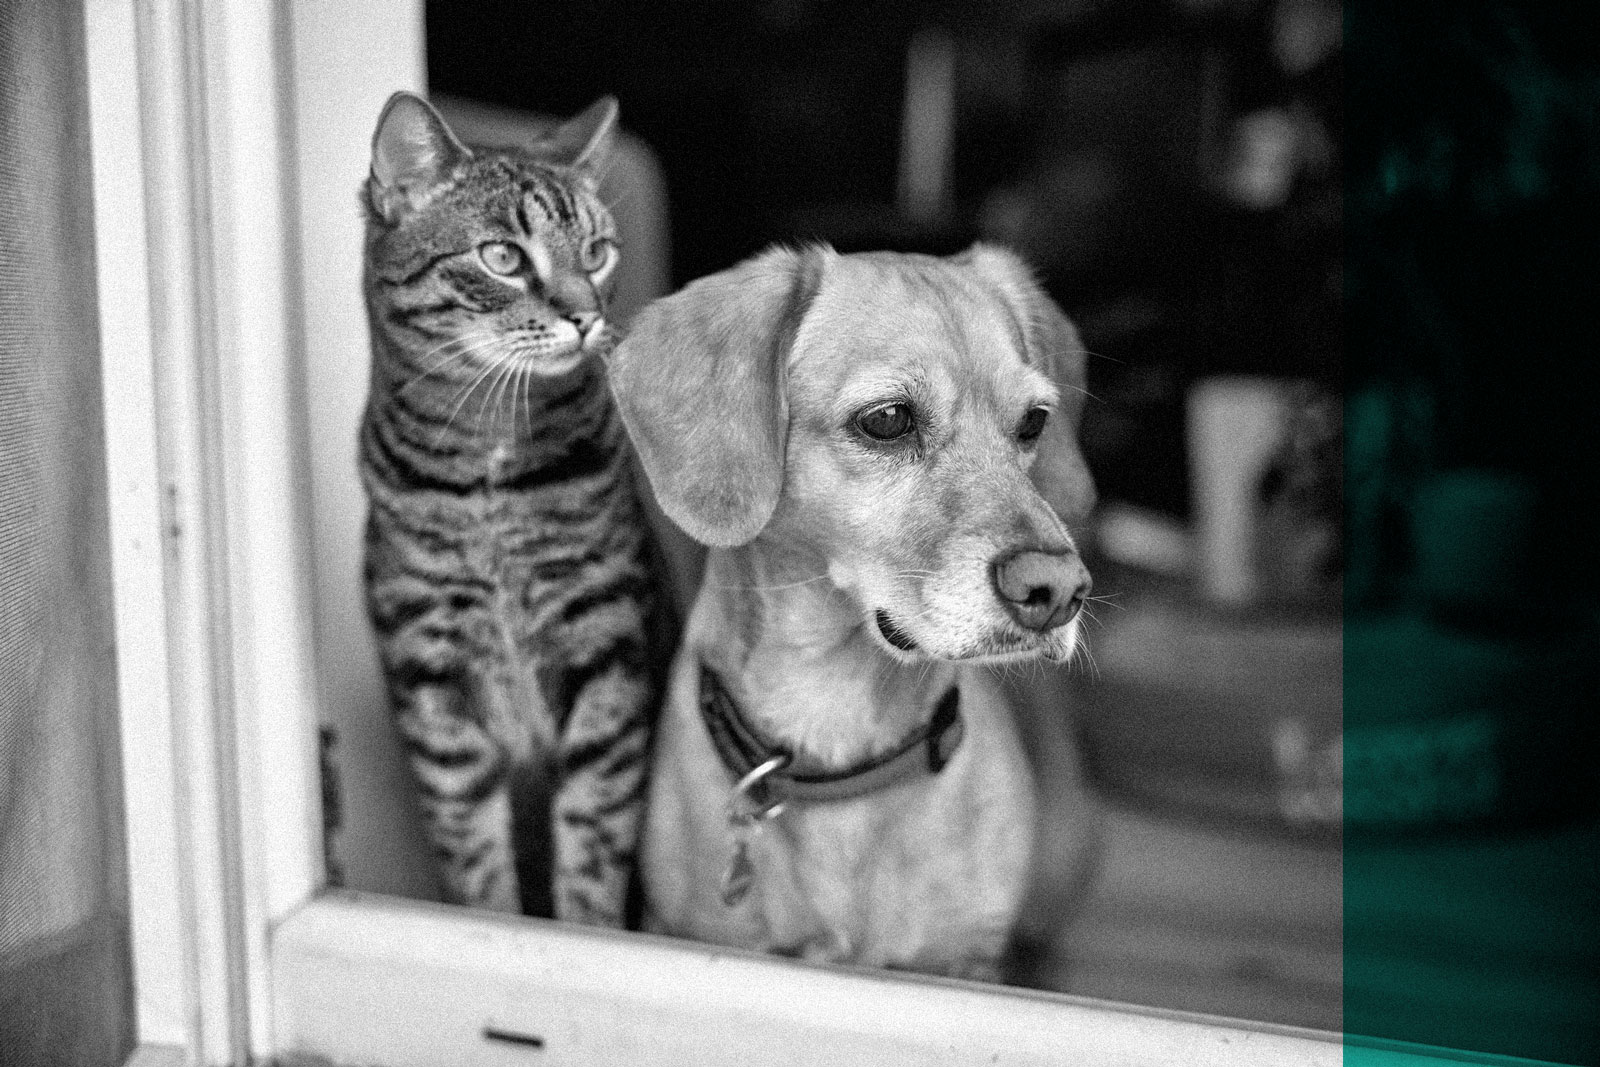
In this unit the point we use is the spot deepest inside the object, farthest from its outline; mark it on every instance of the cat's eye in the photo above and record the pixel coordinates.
(1032, 425)
(887, 423)
(502, 257)
(595, 253)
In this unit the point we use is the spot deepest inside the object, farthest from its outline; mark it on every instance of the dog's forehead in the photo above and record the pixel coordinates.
(881, 318)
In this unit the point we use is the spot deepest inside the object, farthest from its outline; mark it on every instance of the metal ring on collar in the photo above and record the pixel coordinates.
(753, 779)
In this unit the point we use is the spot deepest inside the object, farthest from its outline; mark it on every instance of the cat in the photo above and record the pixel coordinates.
(510, 576)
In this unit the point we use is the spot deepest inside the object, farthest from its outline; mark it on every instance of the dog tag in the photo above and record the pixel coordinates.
(740, 875)
(746, 817)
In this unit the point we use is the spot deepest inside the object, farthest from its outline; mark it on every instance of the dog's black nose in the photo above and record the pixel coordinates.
(1042, 590)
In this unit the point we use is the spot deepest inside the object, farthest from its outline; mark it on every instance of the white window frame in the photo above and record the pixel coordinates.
(215, 170)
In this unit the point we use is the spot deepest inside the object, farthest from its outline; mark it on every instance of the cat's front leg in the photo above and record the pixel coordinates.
(599, 803)
(461, 774)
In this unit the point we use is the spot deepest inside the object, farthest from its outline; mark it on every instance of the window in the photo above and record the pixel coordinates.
(227, 145)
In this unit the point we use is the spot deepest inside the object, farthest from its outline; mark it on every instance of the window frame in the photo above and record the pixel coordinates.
(205, 144)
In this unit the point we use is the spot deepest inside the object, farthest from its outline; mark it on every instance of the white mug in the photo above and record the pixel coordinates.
(1236, 425)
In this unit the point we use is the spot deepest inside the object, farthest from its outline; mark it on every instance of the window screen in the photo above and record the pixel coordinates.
(65, 987)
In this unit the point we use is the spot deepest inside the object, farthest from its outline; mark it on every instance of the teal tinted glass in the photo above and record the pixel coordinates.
(1472, 622)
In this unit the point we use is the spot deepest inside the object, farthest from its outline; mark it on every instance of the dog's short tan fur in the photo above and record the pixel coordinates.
(742, 393)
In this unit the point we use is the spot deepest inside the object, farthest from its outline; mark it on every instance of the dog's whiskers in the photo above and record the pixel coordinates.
(737, 587)
(1085, 392)
(1101, 355)
(1083, 653)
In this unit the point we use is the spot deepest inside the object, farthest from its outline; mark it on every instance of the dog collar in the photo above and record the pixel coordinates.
(925, 751)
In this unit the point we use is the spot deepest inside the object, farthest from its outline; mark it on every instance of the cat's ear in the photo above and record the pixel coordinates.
(1053, 345)
(413, 152)
(701, 386)
(586, 138)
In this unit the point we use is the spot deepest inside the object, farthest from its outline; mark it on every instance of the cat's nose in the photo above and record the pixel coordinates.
(591, 329)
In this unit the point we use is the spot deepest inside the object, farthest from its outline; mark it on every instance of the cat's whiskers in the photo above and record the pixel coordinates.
(476, 342)
(519, 379)
(466, 342)
(465, 394)
(626, 195)
(529, 383)
(506, 368)
(513, 395)
(418, 379)
(460, 339)
(521, 394)
(487, 403)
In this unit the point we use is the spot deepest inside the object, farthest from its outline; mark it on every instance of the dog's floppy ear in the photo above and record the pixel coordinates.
(701, 386)
(1053, 345)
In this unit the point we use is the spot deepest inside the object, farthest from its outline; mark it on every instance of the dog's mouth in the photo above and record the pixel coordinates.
(998, 648)
(892, 633)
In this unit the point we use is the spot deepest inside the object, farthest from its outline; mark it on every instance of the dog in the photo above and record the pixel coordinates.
(879, 450)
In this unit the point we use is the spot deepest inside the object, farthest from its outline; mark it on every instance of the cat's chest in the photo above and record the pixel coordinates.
(500, 464)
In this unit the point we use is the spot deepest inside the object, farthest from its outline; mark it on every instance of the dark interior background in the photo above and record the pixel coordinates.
(1090, 135)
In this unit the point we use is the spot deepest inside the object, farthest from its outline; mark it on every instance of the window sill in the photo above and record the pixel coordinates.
(379, 980)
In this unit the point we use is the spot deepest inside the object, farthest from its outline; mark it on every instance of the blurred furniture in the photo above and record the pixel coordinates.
(1212, 736)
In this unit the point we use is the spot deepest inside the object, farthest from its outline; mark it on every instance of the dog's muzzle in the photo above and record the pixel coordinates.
(1041, 591)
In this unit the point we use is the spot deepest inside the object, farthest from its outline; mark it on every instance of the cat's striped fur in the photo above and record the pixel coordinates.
(509, 569)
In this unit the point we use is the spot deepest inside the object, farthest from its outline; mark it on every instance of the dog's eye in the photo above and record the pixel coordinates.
(501, 257)
(1032, 425)
(887, 423)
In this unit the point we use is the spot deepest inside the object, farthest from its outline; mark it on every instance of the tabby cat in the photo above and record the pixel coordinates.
(509, 570)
